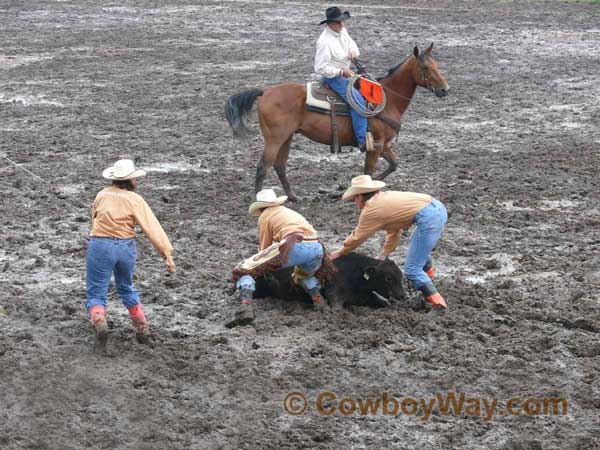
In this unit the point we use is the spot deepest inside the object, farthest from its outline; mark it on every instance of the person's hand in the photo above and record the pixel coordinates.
(381, 257)
(353, 55)
(347, 73)
(171, 268)
(335, 254)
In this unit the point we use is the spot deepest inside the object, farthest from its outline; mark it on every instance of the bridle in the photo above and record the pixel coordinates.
(425, 79)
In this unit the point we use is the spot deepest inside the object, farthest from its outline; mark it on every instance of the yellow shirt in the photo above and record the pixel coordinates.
(116, 212)
(391, 211)
(276, 222)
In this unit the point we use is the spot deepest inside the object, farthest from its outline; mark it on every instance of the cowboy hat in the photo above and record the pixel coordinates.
(265, 199)
(361, 185)
(335, 14)
(123, 169)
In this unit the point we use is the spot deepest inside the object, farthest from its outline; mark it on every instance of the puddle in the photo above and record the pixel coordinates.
(507, 267)
(29, 100)
(71, 189)
(510, 206)
(166, 167)
(327, 157)
(546, 205)
(558, 204)
(571, 125)
(10, 61)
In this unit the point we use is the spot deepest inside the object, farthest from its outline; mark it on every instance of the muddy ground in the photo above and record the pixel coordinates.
(512, 151)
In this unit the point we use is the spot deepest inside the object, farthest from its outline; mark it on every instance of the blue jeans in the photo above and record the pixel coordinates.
(359, 123)
(307, 255)
(429, 224)
(105, 257)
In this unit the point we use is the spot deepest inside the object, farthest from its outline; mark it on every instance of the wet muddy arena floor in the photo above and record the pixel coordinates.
(512, 152)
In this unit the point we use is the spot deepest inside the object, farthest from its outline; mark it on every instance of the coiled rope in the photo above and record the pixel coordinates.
(356, 105)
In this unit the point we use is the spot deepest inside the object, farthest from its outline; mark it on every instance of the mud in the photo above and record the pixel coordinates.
(512, 152)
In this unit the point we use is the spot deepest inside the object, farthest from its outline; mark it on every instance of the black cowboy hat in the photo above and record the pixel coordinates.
(335, 14)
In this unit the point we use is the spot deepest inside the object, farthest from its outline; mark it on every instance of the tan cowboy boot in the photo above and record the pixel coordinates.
(138, 318)
(98, 319)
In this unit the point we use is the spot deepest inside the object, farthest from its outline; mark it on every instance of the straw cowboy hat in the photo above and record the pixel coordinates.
(123, 170)
(265, 199)
(361, 185)
(335, 14)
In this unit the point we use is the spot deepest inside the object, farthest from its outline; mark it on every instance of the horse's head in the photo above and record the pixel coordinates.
(427, 74)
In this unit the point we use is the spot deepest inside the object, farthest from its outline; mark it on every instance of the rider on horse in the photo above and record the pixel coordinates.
(335, 51)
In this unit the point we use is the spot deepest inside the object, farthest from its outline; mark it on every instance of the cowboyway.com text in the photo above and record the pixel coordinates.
(452, 403)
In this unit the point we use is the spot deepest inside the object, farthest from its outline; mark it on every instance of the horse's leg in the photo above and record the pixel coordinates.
(389, 155)
(269, 156)
(280, 167)
(264, 164)
(371, 161)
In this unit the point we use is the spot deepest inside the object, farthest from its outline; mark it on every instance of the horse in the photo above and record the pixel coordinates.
(282, 113)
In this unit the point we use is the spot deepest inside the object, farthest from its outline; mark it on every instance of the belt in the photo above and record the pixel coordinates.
(298, 235)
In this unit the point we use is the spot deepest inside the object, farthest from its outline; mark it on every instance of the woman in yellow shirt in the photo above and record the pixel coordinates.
(112, 250)
(393, 212)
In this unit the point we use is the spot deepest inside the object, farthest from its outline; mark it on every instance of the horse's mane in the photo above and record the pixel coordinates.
(393, 69)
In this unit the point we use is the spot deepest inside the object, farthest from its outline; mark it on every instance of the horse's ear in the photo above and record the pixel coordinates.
(429, 48)
(416, 52)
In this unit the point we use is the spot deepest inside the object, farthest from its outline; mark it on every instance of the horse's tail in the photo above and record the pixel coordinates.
(238, 107)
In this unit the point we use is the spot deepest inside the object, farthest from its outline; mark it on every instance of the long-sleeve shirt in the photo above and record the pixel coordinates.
(390, 211)
(333, 52)
(116, 212)
(276, 222)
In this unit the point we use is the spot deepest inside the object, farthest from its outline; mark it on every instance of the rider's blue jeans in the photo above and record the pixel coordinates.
(359, 123)
(107, 257)
(306, 255)
(429, 224)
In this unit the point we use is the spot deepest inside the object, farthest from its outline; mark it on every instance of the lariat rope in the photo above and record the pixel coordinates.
(3, 155)
(356, 105)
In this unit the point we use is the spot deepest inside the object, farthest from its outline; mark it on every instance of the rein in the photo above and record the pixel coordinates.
(390, 122)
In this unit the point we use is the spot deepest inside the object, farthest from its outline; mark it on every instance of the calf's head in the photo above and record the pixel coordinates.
(385, 278)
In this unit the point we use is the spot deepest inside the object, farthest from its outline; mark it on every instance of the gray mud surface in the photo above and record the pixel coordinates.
(512, 151)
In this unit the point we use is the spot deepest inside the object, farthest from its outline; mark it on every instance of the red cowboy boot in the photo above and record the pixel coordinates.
(430, 273)
(319, 302)
(436, 301)
(140, 323)
(98, 319)
(432, 296)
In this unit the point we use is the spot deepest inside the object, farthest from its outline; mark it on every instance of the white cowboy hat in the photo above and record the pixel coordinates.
(265, 199)
(123, 169)
(360, 185)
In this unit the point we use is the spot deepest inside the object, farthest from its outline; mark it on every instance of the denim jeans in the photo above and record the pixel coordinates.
(359, 123)
(429, 224)
(306, 255)
(105, 257)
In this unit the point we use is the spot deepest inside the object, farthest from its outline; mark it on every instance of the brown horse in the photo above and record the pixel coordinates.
(282, 112)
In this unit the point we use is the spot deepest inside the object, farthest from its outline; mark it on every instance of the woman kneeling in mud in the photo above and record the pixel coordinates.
(112, 250)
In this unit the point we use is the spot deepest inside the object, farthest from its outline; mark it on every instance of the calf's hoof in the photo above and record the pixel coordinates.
(243, 316)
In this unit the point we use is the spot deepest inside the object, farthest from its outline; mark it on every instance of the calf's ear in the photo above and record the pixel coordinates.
(369, 272)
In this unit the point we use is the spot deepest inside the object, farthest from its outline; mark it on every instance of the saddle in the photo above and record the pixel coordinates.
(323, 100)
(319, 98)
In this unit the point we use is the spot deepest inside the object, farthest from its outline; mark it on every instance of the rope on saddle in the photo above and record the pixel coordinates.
(334, 145)
(356, 106)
